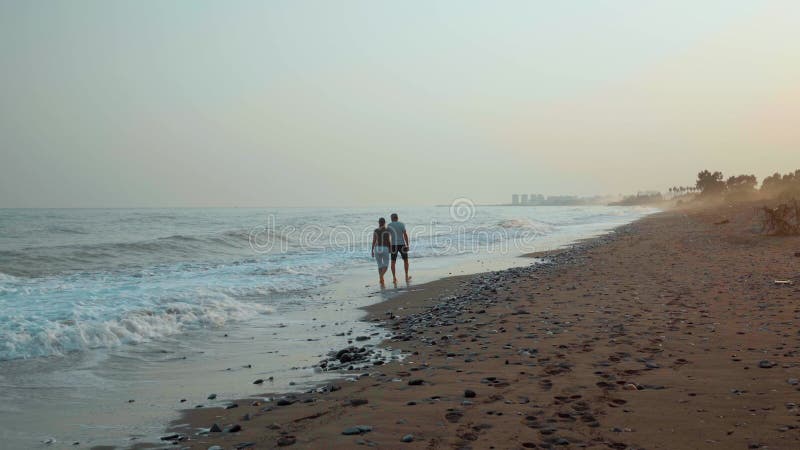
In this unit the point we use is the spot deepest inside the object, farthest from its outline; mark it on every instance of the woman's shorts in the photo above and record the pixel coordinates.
(382, 256)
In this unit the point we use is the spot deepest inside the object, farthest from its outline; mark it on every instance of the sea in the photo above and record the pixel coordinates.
(112, 320)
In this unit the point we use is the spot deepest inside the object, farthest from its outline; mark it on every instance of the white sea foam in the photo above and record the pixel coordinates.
(35, 336)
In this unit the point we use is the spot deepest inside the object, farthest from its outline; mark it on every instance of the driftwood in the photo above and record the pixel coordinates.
(782, 220)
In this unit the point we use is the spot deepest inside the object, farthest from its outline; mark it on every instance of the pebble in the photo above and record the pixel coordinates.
(285, 441)
(764, 364)
(408, 438)
(215, 429)
(358, 429)
(469, 393)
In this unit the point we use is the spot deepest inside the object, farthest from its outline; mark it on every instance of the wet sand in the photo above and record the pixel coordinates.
(669, 333)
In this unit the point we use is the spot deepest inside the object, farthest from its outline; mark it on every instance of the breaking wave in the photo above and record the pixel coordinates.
(34, 336)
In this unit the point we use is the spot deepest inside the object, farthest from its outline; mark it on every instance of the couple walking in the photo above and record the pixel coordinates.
(389, 240)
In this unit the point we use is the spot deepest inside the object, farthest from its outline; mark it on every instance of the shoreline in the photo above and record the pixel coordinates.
(412, 300)
(667, 333)
(124, 395)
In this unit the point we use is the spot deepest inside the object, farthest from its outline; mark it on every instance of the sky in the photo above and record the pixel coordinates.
(358, 103)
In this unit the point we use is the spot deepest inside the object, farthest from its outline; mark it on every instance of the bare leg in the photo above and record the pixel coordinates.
(381, 272)
(405, 264)
(394, 276)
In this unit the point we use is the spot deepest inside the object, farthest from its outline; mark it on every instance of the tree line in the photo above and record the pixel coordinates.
(714, 183)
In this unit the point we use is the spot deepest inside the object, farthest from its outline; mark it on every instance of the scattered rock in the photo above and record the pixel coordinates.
(407, 438)
(469, 393)
(358, 429)
(285, 441)
(215, 429)
(284, 401)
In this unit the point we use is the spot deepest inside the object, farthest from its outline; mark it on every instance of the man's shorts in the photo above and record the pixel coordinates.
(402, 249)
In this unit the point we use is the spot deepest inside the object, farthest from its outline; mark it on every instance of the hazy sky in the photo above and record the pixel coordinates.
(298, 103)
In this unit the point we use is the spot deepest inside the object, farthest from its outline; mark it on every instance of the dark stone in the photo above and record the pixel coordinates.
(285, 441)
(231, 406)
(358, 429)
(358, 401)
(235, 428)
(258, 381)
(417, 382)
(212, 396)
(469, 393)
(215, 429)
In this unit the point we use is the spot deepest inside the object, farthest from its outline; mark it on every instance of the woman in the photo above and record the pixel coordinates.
(381, 241)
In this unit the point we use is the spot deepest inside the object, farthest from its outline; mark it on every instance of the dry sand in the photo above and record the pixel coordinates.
(667, 334)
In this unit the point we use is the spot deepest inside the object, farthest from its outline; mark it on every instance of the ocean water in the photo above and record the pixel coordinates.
(72, 280)
(93, 301)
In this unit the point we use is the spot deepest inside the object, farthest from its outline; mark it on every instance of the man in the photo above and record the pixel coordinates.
(400, 244)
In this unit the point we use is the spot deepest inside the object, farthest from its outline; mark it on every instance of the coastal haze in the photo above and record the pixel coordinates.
(600, 202)
(146, 104)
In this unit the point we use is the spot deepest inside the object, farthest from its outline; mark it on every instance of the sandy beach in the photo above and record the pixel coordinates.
(669, 333)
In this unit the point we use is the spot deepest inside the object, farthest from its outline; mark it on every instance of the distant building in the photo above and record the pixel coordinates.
(515, 199)
(524, 199)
